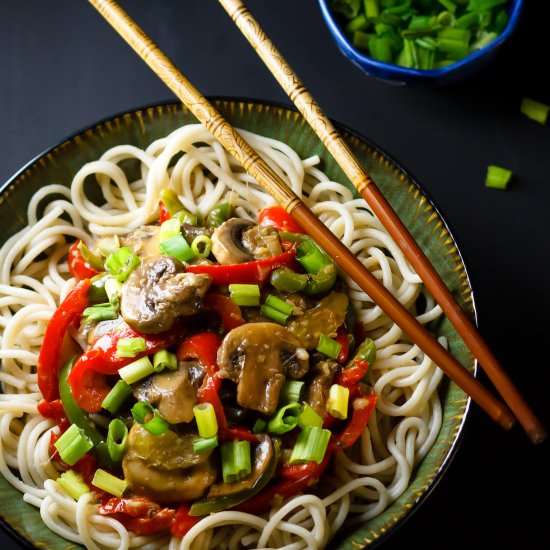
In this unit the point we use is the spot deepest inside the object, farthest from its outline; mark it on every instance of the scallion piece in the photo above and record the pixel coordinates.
(96, 290)
(130, 347)
(274, 314)
(337, 402)
(329, 347)
(138, 369)
(311, 445)
(73, 484)
(358, 23)
(308, 417)
(100, 312)
(117, 439)
(116, 397)
(484, 5)
(203, 444)
(285, 419)
(361, 40)
(449, 4)
(371, 8)
(497, 177)
(202, 246)
(535, 110)
(121, 263)
(170, 228)
(259, 426)
(291, 391)
(236, 462)
(205, 416)
(113, 288)
(281, 305)
(73, 444)
(108, 245)
(109, 483)
(164, 359)
(171, 201)
(178, 248)
(145, 414)
(245, 294)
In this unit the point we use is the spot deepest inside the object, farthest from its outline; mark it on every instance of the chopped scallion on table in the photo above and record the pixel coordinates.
(497, 177)
(535, 110)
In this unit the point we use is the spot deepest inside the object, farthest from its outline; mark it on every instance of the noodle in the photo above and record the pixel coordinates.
(34, 278)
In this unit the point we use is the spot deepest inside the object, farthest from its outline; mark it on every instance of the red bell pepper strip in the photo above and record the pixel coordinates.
(351, 376)
(183, 521)
(203, 347)
(49, 361)
(229, 312)
(362, 411)
(164, 214)
(247, 273)
(139, 514)
(54, 410)
(79, 268)
(278, 217)
(342, 339)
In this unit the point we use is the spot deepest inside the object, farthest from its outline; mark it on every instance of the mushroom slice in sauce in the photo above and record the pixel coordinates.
(322, 374)
(159, 291)
(174, 393)
(258, 357)
(165, 468)
(238, 240)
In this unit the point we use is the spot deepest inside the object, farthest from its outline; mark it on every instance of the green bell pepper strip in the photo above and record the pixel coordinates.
(78, 417)
(287, 280)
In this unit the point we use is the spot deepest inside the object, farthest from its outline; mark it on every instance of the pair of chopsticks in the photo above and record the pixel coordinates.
(233, 142)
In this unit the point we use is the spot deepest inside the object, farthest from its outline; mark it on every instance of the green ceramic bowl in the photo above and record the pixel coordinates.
(417, 211)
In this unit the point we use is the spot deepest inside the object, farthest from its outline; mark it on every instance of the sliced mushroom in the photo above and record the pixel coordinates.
(159, 291)
(144, 241)
(258, 357)
(165, 468)
(238, 240)
(174, 393)
(322, 374)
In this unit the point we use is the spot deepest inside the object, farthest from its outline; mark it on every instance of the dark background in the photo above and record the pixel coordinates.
(62, 68)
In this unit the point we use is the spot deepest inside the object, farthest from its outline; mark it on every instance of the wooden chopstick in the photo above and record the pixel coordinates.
(233, 142)
(328, 134)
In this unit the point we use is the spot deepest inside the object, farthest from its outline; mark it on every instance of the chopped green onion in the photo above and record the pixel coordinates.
(282, 305)
(483, 5)
(121, 263)
(467, 20)
(92, 259)
(171, 201)
(117, 439)
(202, 246)
(337, 402)
(358, 23)
(205, 416)
(170, 228)
(109, 483)
(348, 8)
(108, 245)
(484, 39)
(308, 417)
(291, 391)
(116, 397)
(329, 347)
(371, 8)
(145, 414)
(236, 462)
(178, 248)
(449, 4)
(361, 40)
(446, 18)
(73, 444)
(497, 177)
(164, 359)
(138, 369)
(96, 290)
(535, 110)
(130, 347)
(113, 288)
(501, 20)
(73, 484)
(259, 426)
(245, 294)
(203, 444)
(219, 214)
(380, 49)
(311, 445)
(274, 314)
(312, 258)
(100, 312)
(285, 419)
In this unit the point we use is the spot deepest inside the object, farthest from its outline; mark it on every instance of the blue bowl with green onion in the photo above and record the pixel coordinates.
(421, 42)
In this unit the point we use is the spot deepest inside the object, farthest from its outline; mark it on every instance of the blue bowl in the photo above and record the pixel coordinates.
(404, 76)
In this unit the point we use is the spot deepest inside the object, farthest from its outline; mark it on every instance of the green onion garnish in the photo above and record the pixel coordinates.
(205, 416)
(178, 248)
(337, 402)
(113, 288)
(535, 110)
(116, 397)
(497, 177)
(285, 419)
(117, 439)
(170, 228)
(281, 305)
(145, 414)
(202, 246)
(130, 347)
(245, 294)
(259, 426)
(308, 417)
(73, 484)
(236, 462)
(73, 444)
(164, 359)
(311, 445)
(138, 369)
(109, 483)
(329, 347)
(291, 391)
(449, 4)
(202, 444)
(371, 8)
(108, 245)
(121, 263)
(96, 290)
(274, 314)
(100, 312)
(171, 201)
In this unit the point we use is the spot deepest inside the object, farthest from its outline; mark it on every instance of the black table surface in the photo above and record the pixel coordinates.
(62, 68)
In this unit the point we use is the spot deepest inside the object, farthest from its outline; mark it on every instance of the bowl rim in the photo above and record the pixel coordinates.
(366, 61)
(459, 433)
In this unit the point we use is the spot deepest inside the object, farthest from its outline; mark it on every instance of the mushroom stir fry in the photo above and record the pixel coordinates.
(201, 365)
